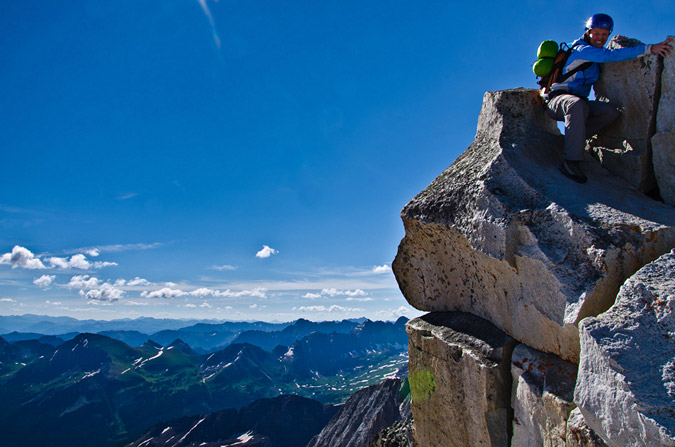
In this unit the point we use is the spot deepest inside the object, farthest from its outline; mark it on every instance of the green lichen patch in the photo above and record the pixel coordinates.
(422, 385)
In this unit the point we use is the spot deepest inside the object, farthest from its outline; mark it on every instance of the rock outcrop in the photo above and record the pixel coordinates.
(624, 147)
(663, 143)
(543, 389)
(504, 235)
(626, 385)
(503, 238)
(459, 373)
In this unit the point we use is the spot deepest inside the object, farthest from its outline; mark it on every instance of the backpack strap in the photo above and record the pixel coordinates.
(570, 73)
(585, 65)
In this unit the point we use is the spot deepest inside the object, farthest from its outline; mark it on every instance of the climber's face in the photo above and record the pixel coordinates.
(598, 37)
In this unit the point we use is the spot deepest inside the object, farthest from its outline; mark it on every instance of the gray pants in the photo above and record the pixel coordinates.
(582, 118)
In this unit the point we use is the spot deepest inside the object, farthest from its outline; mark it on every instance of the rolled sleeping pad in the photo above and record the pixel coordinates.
(548, 48)
(543, 67)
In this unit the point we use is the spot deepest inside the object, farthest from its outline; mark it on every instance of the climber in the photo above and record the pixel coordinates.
(568, 100)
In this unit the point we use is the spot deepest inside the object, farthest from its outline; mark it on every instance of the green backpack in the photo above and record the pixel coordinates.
(551, 59)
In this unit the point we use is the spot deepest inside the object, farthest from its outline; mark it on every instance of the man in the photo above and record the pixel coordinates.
(568, 100)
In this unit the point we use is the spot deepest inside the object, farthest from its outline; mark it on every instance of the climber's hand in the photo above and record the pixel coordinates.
(664, 48)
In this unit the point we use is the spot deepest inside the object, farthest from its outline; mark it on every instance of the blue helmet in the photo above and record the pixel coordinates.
(600, 21)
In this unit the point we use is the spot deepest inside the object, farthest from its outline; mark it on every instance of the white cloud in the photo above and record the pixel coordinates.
(205, 304)
(258, 292)
(256, 307)
(44, 281)
(381, 269)
(78, 261)
(333, 308)
(402, 311)
(139, 282)
(23, 258)
(202, 291)
(266, 252)
(311, 296)
(83, 282)
(7, 300)
(100, 265)
(136, 303)
(58, 262)
(191, 306)
(335, 292)
(53, 303)
(107, 292)
(359, 299)
(173, 292)
(223, 267)
(93, 252)
(166, 293)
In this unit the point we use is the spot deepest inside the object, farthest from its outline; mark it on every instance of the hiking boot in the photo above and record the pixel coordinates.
(572, 169)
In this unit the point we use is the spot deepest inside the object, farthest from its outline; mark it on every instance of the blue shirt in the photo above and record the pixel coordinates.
(580, 83)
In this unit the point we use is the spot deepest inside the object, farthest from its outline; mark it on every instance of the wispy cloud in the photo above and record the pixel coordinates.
(172, 292)
(333, 292)
(124, 247)
(136, 282)
(336, 292)
(212, 24)
(136, 303)
(21, 257)
(266, 252)
(223, 267)
(7, 300)
(127, 195)
(333, 308)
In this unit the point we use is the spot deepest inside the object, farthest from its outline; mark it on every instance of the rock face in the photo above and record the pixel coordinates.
(459, 380)
(363, 416)
(663, 143)
(626, 385)
(579, 434)
(504, 235)
(543, 389)
(502, 249)
(634, 85)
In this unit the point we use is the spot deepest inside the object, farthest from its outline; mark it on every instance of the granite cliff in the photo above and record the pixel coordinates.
(551, 304)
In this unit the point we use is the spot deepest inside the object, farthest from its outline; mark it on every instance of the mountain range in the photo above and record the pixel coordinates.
(96, 390)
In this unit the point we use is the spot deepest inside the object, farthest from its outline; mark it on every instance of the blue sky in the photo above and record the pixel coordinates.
(243, 159)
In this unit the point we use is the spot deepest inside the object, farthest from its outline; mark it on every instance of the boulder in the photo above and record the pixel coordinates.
(626, 381)
(624, 147)
(504, 235)
(459, 373)
(542, 398)
(579, 434)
